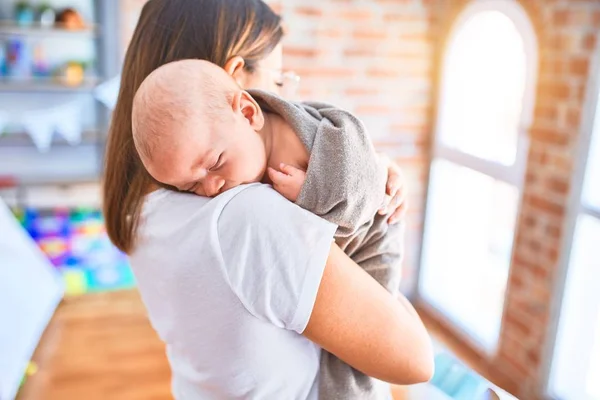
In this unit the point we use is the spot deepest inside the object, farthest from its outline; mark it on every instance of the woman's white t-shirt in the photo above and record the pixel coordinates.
(229, 284)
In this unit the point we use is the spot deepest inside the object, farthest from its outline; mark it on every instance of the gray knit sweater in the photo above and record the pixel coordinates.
(345, 184)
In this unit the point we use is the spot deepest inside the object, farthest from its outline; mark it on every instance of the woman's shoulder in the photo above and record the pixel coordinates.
(241, 199)
(260, 206)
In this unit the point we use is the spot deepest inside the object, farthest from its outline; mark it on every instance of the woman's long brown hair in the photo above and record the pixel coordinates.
(171, 30)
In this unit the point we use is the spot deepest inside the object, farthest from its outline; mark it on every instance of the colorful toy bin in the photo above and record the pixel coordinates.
(76, 243)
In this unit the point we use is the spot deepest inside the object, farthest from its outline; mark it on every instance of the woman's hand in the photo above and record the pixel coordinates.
(395, 190)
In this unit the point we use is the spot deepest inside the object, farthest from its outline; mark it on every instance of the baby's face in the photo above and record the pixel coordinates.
(208, 160)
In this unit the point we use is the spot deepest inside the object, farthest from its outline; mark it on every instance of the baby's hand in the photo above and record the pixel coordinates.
(288, 181)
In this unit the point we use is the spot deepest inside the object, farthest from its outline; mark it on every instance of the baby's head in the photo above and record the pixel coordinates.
(196, 130)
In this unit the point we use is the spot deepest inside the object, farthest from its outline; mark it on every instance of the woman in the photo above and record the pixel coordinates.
(243, 304)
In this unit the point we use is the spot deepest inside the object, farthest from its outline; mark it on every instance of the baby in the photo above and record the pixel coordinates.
(196, 131)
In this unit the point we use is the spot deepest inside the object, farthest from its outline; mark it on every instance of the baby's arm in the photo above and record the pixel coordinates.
(345, 179)
(288, 181)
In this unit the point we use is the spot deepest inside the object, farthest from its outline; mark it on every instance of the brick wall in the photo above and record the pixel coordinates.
(567, 35)
(379, 58)
(373, 58)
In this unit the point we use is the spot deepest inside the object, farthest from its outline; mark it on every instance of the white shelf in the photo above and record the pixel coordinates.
(8, 28)
(45, 85)
(89, 137)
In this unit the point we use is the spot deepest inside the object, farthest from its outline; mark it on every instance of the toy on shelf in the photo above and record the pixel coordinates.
(73, 73)
(69, 18)
(19, 65)
(76, 243)
(24, 13)
(40, 63)
(46, 15)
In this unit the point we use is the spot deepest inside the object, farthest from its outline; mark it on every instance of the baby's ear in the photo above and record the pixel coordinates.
(244, 104)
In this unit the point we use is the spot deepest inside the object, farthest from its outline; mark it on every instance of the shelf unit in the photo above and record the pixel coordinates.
(10, 28)
(46, 85)
(18, 156)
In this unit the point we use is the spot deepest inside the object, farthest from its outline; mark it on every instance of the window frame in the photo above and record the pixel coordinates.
(576, 207)
(511, 174)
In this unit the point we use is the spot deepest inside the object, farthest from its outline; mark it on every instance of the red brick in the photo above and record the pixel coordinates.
(553, 253)
(560, 17)
(534, 245)
(356, 15)
(549, 136)
(545, 205)
(383, 73)
(579, 66)
(553, 90)
(558, 185)
(596, 19)
(421, 52)
(515, 281)
(417, 37)
(547, 112)
(551, 67)
(553, 231)
(295, 51)
(329, 32)
(374, 109)
(589, 41)
(370, 34)
(421, 131)
(533, 268)
(323, 72)
(556, 160)
(572, 17)
(361, 91)
(579, 90)
(535, 157)
(565, 41)
(531, 178)
(573, 117)
(398, 17)
(360, 52)
(529, 221)
(517, 369)
(309, 11)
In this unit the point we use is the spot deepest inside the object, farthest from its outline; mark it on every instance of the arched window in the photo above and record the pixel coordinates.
(485, 108)
(575, 370)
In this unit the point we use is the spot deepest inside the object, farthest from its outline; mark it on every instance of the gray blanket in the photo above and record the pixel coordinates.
(345, 184)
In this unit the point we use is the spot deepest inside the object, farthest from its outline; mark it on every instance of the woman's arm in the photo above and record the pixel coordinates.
(357, 320)
(279, 261)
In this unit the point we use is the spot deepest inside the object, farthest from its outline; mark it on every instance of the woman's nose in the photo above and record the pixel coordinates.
(213, 185)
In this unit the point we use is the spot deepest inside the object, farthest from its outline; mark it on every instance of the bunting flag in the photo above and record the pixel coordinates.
(41, 123)
(108, 92)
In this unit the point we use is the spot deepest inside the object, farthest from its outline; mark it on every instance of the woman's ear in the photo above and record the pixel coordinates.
(245, 105)
(235, 67)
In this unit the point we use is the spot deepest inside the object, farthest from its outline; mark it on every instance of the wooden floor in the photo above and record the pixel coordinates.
(100, 347)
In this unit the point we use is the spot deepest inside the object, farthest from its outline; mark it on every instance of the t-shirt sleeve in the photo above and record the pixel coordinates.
(274, 254)
(345, 180)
